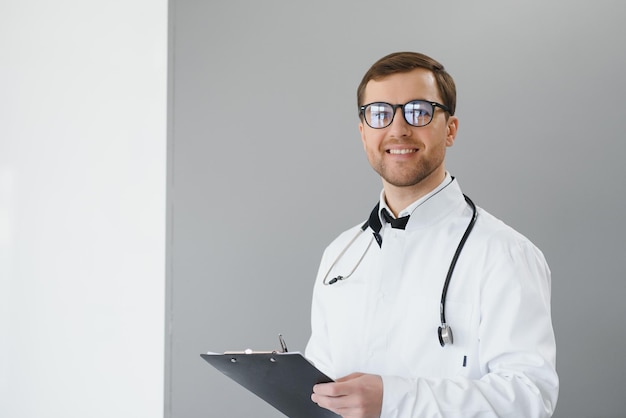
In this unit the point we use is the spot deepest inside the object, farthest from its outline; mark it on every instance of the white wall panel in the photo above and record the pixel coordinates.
(82, 208)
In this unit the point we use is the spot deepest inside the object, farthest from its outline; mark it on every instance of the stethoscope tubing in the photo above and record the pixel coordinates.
(446, 284)
(457, 253)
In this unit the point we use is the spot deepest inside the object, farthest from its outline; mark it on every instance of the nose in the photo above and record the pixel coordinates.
(399, 126)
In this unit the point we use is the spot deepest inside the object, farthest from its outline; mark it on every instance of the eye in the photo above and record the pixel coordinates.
(379, 115)
(418, 112)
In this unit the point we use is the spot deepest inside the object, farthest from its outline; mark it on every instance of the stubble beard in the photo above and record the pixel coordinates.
(407, 174)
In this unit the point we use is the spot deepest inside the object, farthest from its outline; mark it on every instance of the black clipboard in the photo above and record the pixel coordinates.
(284, 380)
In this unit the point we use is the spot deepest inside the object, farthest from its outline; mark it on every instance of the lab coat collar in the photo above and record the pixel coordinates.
(429, 208)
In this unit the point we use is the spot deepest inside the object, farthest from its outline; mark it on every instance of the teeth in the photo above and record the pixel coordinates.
(401, 151)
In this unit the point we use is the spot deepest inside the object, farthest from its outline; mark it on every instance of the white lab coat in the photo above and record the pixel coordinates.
(384, 318)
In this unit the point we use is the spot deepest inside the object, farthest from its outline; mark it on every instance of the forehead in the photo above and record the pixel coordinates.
(401, 87)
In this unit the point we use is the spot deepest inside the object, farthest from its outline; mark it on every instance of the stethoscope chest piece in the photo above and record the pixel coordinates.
(445, 335)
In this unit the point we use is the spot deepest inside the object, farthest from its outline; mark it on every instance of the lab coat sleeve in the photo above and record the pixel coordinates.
(516, 349)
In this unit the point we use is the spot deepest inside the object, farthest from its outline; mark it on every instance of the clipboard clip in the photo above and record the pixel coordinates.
(283, 346)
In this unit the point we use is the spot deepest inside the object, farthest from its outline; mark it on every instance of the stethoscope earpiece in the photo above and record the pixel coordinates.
(445, 335)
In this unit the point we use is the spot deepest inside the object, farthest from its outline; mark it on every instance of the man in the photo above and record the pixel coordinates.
(379, 324)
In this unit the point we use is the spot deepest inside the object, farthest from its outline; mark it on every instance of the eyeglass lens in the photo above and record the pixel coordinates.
(416, 113)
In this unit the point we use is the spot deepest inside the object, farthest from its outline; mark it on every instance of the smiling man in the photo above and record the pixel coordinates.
(389, 291)
(410, 161)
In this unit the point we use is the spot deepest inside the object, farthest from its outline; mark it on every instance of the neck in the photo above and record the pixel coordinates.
(400, 197)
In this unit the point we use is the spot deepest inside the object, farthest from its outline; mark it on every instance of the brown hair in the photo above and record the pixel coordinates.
(400, 62)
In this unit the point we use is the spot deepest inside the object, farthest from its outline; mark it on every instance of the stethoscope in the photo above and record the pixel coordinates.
(444, 332)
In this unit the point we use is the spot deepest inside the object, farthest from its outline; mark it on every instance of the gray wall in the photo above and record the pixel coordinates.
(266, 168)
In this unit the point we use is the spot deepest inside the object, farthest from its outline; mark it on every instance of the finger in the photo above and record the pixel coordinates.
(329, 389)
(337, 404)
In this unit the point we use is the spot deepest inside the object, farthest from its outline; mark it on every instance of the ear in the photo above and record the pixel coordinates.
(362, 131)
(451, 130)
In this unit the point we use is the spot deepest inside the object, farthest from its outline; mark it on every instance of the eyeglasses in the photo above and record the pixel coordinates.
(379, 115)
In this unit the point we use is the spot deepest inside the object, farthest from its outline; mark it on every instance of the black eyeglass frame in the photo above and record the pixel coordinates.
(401, 106)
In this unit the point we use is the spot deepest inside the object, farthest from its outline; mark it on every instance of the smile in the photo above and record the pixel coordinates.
(401, 151)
